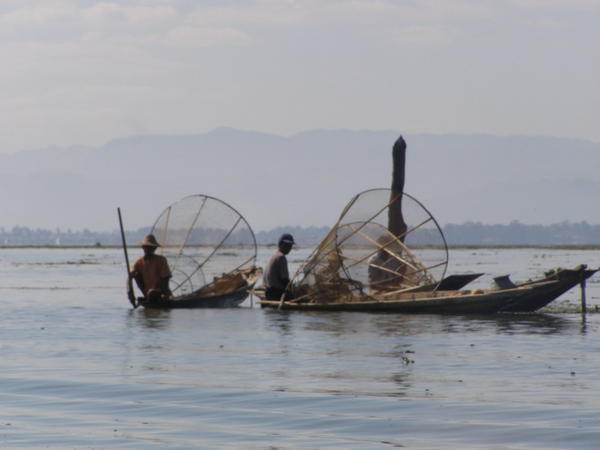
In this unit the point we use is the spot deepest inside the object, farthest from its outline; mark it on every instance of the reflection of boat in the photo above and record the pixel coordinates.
(528, 296)
(211, 251)
(228, 291)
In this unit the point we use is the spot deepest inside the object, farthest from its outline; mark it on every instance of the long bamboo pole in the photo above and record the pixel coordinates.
(129, 282)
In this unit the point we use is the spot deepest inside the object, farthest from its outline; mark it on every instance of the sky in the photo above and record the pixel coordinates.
(85, 72)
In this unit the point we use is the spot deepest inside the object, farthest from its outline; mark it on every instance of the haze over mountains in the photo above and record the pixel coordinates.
(305, 179)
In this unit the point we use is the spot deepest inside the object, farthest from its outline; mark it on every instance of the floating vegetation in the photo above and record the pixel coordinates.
(406, 360)
(37, 288)
(81, 262)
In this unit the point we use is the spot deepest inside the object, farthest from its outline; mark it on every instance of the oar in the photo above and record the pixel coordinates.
(129, 283)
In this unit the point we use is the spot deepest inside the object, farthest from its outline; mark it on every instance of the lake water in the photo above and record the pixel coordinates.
(81, 369)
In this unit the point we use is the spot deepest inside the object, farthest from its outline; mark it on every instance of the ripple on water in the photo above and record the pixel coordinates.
(81, 369)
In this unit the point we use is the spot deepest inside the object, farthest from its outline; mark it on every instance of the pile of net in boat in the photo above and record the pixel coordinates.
(207, 243)
(383, 244)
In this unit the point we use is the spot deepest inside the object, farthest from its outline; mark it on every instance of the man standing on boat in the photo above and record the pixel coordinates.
(151, 272)
(276, 276)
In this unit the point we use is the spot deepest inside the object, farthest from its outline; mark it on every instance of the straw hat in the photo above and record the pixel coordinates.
(149, 241)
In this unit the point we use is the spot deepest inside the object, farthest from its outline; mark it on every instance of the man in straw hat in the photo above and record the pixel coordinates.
(151, 272)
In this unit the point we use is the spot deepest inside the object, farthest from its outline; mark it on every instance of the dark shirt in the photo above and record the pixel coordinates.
(276, 272)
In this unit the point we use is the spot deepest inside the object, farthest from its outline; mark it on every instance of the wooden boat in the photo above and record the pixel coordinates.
(432, 302)
(229, 291)
(211, 250)
(525, 297)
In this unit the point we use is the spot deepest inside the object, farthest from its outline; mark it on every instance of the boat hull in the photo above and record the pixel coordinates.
(229, 300)
(226, 300)
(443, 302)
(562, 281)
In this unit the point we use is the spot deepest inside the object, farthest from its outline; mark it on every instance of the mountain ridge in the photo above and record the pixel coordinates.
(304, 179)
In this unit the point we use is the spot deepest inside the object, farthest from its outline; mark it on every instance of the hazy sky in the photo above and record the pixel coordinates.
(87, 71)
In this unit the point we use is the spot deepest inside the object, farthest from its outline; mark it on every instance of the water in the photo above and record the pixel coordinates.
(80, 369)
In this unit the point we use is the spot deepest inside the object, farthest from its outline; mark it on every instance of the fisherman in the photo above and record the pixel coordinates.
(276, 276)
(385, 267)
(151, 272)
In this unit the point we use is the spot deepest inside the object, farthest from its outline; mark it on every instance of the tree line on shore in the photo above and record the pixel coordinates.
(466, 234)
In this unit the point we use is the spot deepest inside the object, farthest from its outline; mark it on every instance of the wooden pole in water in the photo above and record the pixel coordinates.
(129, 283)
(583, 299)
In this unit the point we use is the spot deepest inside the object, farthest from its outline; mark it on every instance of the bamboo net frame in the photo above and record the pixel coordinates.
(205, 240)
(360, 259)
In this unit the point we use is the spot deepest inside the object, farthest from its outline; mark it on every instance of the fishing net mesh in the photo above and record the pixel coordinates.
(203, 238)
(382, 244)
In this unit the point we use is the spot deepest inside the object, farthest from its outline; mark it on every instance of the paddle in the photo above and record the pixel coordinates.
(129, 283)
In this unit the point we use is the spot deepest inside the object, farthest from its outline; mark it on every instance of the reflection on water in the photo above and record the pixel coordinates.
(536, 323)
(279, 321)
(152, 318)
(343, 324)
(533, 324)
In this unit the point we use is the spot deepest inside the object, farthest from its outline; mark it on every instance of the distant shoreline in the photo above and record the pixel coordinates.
(450, 247)
(467, 235)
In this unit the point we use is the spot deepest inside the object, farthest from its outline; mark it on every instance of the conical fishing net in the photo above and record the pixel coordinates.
(203, 239)
(383, 244)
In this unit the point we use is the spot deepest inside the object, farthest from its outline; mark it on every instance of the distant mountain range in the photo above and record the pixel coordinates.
(304, 179)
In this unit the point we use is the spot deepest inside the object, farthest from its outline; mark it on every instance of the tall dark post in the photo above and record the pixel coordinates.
(396, 223)
(583, 300)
